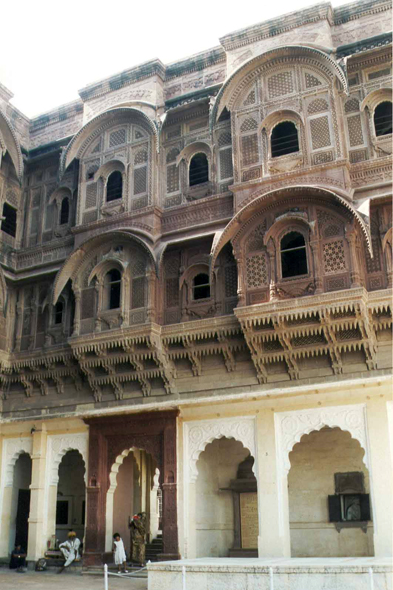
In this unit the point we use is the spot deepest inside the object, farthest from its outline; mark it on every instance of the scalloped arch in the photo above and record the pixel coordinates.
(77, 144)
(199, 434)
(10, 143)
(279, 116)
(258, 200)
(373, 99)
(72, 264)
(243, 75)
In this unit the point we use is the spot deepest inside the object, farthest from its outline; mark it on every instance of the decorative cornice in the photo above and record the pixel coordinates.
(146, 70)
(277, 26)
(353, 11)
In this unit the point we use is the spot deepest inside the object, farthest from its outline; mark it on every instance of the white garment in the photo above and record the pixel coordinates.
(119, 553)
(69, 550)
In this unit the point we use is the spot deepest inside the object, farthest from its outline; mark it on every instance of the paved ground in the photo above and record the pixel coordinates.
(10, 580)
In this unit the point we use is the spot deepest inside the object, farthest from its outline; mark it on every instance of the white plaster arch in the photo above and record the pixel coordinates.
(12, 449)
(199, 434)
(59, 445)
(291, 426)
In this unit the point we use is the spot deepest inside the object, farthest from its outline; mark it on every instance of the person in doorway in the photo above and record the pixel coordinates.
(70, 550)
(138, 538)
(119, 554)
(18, 559)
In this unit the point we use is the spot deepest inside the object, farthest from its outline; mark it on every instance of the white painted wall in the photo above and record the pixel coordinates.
(217, 465)
(314, 461)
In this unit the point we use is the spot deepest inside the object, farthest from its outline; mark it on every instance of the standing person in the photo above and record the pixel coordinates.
(138, 538)
(69, 550)
(18, 559)
(119, 554)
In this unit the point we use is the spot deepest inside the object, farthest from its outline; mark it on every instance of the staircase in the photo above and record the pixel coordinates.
(154, 549)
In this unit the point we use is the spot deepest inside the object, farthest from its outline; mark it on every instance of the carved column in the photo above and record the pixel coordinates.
(99, 288)
(271, 250)
(389, 264)
(37, 536)
(151, 295)
(77, 315)
(317, 267)
(96, 499)
(169, 495)
(125, 300)
(354, 274)
(241, 279)
(33, 325)
(18, 326)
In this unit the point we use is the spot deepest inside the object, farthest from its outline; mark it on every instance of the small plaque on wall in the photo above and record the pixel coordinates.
(249, 520)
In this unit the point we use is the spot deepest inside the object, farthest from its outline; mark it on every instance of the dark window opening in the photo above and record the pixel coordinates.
(293, 255)
(64, 211)
(349, 508)
(383, 119)
(8, 225)
(284, 139)
(59, 313)
(199, 169)
(200, 287)
(113, 279)
(62, 512)
(114, 187)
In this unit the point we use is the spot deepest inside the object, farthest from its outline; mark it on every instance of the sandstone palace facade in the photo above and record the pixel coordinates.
(195, 300)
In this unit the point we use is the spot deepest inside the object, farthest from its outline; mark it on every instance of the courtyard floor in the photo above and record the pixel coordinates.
(31, 580)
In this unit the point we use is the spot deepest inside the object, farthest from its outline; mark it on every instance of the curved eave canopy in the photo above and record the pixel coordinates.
(94, 127)
(10, 143)
(72, 264)
(324, 196)
(327, 63)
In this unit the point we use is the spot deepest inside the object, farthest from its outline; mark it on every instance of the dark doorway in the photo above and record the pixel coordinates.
(22, 516)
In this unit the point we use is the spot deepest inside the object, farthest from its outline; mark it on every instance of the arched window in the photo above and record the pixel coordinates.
(200, 287)
(293, 255)
(114, 187)
(58, 317)
(64, 211)
(284, 139)
(383, 119)
(8, 225)
(113, 288)
(199, 169)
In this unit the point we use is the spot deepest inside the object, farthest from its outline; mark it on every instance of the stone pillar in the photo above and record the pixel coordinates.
(273, 510)
(314, 243)
(381, 476)
(151, 295)
(77, 315)
(169, 495)
(354, 274)
(37, 532)
(97, 486)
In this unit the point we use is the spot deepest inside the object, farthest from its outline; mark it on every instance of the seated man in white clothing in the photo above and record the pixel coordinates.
(70, 549)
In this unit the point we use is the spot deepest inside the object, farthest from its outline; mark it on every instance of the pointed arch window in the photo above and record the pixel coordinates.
(64, 211)
(58, 315)
(114, 187)
(113, 288)
(199, 169)
(293, 255)
(284, 139)
(200, 287)
(383, 119)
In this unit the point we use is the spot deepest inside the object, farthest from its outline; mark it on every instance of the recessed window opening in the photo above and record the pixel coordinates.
(8, 225)
(284, 139)
(113, 282)
(383, 119)
(199, 169)
(293, 255)
(201, 287)
(59, 313)
(114, 187)
(64, 211)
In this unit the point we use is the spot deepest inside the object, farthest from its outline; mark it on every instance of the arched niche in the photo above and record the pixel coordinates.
(201, 433)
